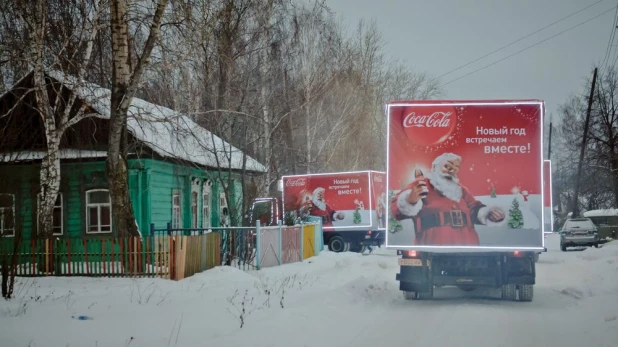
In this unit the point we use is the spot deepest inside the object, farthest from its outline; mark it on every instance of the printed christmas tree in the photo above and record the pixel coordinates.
(516, 218)
(493, 192)
(357, 216)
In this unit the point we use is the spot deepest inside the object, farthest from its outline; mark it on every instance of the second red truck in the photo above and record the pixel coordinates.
(351, 205)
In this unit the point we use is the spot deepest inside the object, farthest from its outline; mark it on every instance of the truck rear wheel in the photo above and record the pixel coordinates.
(526, 292)
(509, 292)
(409, 295)
(419, 295)
(356, 247)
(336, 244)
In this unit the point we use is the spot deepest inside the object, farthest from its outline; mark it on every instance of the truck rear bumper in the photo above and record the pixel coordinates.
(487, 271)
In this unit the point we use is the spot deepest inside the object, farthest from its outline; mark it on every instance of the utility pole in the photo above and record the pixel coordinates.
(549, 140)
(583, 147)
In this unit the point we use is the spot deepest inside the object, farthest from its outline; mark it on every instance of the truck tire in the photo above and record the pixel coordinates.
(419, 295)
(336, 244)
(563, 247)
(509, 292)
(409, 295)
(346, 247)
(356, 247)
(526, 292)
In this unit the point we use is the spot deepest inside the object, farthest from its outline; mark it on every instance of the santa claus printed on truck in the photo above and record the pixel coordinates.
(319, 208)
(444, 211)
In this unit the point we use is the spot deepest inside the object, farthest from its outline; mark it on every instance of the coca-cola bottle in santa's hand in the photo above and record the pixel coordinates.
(418, 176)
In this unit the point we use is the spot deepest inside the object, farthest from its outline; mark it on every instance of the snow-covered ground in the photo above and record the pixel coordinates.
(329, 300)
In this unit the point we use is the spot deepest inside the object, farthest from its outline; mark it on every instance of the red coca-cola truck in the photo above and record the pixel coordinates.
(351, 205)
(465, 184)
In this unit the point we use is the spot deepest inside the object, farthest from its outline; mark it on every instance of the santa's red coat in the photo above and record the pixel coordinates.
(436, 205)
(327, 215)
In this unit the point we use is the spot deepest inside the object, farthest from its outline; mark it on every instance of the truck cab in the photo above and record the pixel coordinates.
(267, 210)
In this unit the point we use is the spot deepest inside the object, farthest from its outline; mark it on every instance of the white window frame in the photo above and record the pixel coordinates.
(195, 211)
(98, 206)
(61, 207)
(207, 208)
(12, 208)
(176, 209)
(223, 203)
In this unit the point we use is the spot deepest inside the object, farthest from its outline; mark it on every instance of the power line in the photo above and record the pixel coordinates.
(608, 50)
(526, 48)
(518, 40)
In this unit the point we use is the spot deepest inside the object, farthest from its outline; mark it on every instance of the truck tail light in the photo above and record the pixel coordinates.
(412, 254)
(517, 253)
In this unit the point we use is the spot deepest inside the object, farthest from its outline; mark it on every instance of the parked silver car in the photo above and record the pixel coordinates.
(578, 232)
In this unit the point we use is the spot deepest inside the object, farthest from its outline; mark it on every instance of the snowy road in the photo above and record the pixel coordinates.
(330, 300)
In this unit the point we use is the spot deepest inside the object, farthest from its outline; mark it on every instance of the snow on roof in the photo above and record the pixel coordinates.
(602, 213)
(11, 157)
(167, 132)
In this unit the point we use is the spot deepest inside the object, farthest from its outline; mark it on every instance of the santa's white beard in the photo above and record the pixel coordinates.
(449, 188)
(319, 204)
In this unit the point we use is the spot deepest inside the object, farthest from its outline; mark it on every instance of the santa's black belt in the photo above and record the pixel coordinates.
(455, 219)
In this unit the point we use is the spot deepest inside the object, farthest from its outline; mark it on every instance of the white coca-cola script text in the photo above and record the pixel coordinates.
(435, 120)
(295, 182)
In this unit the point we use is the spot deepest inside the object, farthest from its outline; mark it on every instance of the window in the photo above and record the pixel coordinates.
(176, 210)
(57, 217)
(98, 212)
(224, 211)
(582, 224)
(206, 191)
(7, 214)
(194, 210)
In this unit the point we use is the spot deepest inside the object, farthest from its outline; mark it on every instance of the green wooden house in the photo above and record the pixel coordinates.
(177, 169)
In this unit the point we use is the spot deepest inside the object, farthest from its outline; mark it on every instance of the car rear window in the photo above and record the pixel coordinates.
(579, 224)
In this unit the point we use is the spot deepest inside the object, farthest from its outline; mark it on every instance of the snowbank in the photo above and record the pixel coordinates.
(329, 300)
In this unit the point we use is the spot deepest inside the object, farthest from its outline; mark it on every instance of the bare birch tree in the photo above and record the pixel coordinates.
(125, 81)
(43, 56)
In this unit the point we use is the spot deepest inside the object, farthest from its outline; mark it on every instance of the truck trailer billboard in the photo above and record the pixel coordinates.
(548, 210)
(344, 201)
(465, 175)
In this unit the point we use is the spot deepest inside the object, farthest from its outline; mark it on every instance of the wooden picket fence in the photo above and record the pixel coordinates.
(170, 257)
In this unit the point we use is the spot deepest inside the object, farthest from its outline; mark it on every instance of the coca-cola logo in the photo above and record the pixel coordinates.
(429, 125)
(435, 120)
(296, 182)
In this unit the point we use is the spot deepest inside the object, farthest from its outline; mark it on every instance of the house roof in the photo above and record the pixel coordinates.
(64, 153)
(167, 132)
(602, 213)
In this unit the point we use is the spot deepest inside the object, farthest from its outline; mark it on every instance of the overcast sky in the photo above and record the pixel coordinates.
(437, 36)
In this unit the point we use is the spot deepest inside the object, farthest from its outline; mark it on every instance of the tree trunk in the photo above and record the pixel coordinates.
(614, 173)
(49, 179)
(50, 166)
(124, 85)
(117, 173)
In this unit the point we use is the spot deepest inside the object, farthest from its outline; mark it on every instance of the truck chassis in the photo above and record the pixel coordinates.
(513, 272)
(353, 241)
